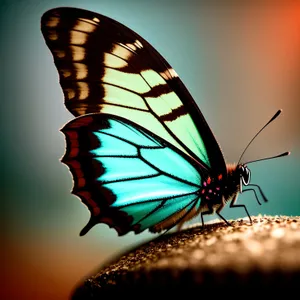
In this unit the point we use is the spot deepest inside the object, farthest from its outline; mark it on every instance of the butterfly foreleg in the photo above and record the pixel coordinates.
(247, 190)
(232, 204)
(260, 191)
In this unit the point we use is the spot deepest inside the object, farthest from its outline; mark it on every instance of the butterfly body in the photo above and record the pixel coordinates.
(140, 151)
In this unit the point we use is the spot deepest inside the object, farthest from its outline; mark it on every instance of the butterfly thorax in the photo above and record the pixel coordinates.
(218, 189)
(232, 183)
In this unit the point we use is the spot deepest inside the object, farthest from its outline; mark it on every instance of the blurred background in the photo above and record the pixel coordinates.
(240, 62)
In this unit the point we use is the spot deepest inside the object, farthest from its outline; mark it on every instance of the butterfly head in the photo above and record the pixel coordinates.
(245, 174)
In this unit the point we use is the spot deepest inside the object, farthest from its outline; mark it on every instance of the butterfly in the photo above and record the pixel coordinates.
(140, 151)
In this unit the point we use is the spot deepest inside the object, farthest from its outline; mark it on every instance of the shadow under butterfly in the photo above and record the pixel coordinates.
(141, 153)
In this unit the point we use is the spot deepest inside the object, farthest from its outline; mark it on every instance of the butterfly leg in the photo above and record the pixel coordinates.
(247, 190)
(210, 211)
(232, 204)
(218, 212)
(260, 190)
(227, 223)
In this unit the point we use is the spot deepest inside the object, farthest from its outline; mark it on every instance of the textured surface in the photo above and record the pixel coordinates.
(263, 257)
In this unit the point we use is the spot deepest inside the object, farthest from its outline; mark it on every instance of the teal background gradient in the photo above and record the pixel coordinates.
(241, 63)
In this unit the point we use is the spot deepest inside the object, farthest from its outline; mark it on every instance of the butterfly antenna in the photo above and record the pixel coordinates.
(271, 157)
(272, 119)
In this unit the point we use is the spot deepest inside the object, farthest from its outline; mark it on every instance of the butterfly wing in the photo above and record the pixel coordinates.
(128, 177)
(105, 67)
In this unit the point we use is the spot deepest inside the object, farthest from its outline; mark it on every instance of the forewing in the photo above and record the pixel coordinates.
(105, 67)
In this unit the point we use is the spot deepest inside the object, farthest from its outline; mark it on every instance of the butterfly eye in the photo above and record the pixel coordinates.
(245, 175)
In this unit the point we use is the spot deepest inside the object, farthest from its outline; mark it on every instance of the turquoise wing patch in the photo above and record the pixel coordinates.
(128, 177)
